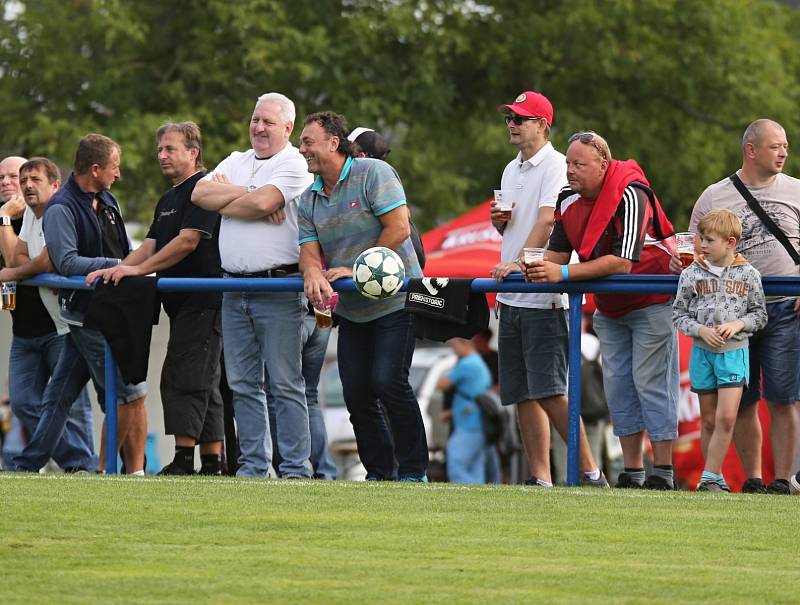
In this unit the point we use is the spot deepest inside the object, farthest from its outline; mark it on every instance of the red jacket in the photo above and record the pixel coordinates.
(626, 220)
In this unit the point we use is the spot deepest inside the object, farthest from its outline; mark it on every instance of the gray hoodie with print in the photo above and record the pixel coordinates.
(704, 299)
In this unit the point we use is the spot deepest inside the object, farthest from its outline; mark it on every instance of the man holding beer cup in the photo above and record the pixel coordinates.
(532, 342)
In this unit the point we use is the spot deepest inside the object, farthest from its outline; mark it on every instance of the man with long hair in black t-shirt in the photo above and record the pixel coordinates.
(183, 242)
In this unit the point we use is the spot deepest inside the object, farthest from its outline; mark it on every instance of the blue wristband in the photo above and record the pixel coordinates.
(565, 272)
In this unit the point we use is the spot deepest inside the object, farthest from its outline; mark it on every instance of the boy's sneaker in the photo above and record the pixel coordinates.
(657, 483)
(174, 469)
(754, 485)
(414, 479)
(601, 481)
(780, 487)
(711, 486)
(794, 484)
(624, 481)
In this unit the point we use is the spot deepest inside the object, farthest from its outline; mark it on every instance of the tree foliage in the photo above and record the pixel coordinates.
(671, 83)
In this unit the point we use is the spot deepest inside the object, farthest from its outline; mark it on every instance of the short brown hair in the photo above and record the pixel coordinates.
(93, 149)
(721, 222)
(335, 125)
(192, 137)
(47, 166)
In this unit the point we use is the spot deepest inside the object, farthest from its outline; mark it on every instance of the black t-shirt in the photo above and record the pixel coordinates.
(30, 319)
(174, 212)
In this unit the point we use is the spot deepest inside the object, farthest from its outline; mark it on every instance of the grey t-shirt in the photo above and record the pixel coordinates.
(781, 201)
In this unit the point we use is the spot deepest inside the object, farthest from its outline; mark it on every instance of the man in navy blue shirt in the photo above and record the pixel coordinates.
(84, 232)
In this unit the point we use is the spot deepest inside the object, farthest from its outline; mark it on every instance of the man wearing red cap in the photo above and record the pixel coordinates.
(611, 217)
(533, 339)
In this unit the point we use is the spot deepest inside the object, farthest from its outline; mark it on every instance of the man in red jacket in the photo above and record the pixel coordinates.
(611, 217)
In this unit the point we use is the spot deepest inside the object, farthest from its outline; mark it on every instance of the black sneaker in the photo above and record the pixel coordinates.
(210, 470)
(657, 483)
(780, 487)
(712, 486)
(754, 485)
(625, 481)
(174, 469)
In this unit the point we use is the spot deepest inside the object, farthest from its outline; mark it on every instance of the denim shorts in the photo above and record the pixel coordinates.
(92, 346)
(532, 353)
(775, 357)
(640, 371)
(709, 371)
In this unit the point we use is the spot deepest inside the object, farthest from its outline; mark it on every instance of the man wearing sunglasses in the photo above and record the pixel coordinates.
(533, 339)
(611, 217)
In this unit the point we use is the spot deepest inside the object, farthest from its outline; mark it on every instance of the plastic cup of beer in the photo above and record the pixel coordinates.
(530, 256)
(504, 202)
(684, 244)
(9, 295)
(324, 312)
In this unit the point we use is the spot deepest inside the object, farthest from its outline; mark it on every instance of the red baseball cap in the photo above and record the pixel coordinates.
(532, 105)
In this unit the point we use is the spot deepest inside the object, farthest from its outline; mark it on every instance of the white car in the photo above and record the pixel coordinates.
(427, 366)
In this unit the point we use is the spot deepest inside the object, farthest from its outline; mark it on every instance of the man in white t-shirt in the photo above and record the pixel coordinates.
(255, 192)
(533, 337)
(775, 349)
(33, 357)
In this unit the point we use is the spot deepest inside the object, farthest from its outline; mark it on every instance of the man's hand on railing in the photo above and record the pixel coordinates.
(503, 270)
(317, 288)
(543, 271)
(115, 274)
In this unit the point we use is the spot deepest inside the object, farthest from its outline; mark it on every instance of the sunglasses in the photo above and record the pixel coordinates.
(518, 120)
(587, 138)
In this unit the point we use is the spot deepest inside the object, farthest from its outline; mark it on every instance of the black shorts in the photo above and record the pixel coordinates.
(190, 375)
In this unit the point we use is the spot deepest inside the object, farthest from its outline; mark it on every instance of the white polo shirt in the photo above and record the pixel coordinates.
(536, 183)
(257, 245)
(32, 234)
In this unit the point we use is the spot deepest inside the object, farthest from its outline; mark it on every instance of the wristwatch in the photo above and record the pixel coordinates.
(5, 221)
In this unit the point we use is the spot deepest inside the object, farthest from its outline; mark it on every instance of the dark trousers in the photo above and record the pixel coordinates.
(374, 358)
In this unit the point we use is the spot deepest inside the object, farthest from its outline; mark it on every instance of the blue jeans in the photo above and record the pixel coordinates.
(265, 329)
(775, 358)
(31, 363)
(316, 342)
(374, 358)
(92, 346)
(68, 380)
(466, 457)
(640, 371)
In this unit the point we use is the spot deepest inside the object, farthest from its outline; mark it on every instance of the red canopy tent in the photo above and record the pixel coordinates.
(469, 246)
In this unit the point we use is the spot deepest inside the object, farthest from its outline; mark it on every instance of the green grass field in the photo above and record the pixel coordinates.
(86, 539)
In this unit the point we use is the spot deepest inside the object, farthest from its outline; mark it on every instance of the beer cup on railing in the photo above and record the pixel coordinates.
(530, 256)
(9, 294)
(684, 245)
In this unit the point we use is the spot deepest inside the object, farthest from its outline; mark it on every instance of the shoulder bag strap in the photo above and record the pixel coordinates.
(765, 218)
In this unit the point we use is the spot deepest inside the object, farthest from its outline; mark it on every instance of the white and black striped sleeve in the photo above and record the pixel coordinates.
(631, 224)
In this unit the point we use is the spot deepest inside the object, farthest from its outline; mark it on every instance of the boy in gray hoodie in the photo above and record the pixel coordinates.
(720, 303)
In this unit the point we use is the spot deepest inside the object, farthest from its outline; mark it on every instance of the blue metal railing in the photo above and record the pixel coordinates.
(613, 284)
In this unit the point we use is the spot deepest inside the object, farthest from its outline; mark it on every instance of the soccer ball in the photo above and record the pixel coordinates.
(378, 273)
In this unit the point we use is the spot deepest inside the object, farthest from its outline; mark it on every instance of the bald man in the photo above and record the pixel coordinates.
(774, 350)
(38, 331)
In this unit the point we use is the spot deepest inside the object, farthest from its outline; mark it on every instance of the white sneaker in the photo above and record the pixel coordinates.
(794, 484)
